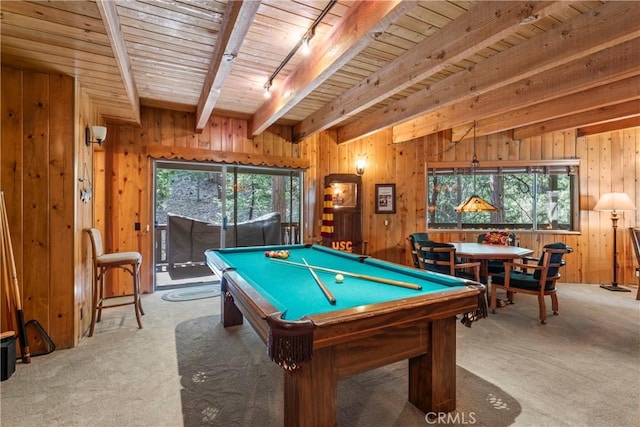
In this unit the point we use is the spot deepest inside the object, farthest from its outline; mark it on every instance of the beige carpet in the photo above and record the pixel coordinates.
(581, 369)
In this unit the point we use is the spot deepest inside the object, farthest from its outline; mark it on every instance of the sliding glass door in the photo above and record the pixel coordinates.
(262, 200)
(202, 206)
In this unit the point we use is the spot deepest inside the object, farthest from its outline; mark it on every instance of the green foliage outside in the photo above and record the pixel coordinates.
(163, 185)
(525, 201)
(199, 195)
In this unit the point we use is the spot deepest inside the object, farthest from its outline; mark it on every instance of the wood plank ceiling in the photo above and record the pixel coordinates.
(416, 66)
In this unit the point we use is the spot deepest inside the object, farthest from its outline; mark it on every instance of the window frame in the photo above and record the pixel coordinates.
(569, 166)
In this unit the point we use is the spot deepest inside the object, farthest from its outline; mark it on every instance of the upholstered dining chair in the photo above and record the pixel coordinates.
(103, 262)
(635, 239)
(504, 238)
(541, 282)
(441, 258)
(413, 239)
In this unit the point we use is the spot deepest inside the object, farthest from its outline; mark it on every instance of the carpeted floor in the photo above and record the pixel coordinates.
(246, 388)
(184, 369)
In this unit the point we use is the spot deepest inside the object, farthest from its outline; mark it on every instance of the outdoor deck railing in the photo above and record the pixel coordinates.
(290, 236)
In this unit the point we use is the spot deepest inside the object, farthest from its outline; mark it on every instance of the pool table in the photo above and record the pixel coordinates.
(370, 324)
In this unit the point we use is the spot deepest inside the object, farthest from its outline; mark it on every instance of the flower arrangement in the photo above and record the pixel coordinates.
(497, 238)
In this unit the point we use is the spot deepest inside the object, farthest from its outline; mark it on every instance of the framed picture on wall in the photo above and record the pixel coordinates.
(344, 194)
(385, 198)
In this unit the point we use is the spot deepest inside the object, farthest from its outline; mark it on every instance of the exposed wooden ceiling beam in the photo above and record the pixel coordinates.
(603, 67)
(481, 26)
(111, 21)
(609, 126)
(346, 40)
(600, 96)
(597, 116)
(613, 23)
(238, 19)
(165, 105)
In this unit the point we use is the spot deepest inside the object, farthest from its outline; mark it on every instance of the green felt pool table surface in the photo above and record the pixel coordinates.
(293, 290)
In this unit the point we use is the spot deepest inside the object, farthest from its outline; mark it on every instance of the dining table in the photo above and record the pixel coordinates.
(484, 253)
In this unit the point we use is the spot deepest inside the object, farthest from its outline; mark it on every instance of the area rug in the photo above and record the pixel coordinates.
(228, 379)
(191, 293)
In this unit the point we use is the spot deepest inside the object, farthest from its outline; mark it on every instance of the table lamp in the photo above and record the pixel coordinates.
(614, 202)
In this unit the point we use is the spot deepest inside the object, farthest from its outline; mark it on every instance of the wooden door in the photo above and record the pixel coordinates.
(346, 191)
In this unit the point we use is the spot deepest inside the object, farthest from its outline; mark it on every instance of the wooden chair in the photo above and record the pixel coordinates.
(496, 238)
(413, 239)
(128, 261)
(541, 282)
(635, 239)
(441, 258)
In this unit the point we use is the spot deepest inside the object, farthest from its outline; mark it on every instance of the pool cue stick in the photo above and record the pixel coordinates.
(5, 282)
(8, 249)
(327, 293)
(358, 276)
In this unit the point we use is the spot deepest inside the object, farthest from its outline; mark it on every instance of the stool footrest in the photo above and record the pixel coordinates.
(120, 304)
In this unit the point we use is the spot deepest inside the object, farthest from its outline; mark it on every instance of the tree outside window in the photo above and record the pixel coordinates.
(528, 196)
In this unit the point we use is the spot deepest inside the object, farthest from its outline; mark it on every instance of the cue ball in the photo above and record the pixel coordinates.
(339, 278)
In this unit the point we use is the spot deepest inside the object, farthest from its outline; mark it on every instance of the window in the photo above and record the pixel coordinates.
(217, 193)
(529, 196)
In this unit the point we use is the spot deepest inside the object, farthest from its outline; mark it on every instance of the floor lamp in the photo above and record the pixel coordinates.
(615, 202)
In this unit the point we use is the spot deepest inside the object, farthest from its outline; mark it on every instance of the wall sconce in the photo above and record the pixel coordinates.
(99, 133)
(360, 167)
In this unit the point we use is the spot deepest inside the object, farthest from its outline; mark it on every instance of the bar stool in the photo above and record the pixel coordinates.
(128, 261)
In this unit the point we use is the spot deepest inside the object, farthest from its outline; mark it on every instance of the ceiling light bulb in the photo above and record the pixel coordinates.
(267, 92)
(306, 49)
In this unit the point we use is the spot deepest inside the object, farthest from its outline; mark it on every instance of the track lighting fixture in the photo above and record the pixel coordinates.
(302, 43)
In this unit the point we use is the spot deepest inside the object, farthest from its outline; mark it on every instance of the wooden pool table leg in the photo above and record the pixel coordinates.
(230, 315)
(432, 376)
(310, 394)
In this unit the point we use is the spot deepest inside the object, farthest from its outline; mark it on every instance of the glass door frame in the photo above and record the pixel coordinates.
(234, 171)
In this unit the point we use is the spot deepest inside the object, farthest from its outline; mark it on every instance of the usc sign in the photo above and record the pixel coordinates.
(343, 245)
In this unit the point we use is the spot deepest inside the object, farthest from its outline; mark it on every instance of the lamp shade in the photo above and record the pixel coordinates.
(99, 133)
(614, 202)
(475, 204)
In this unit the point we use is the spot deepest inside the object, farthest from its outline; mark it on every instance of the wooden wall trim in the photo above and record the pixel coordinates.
(505, 163)
(194, 154)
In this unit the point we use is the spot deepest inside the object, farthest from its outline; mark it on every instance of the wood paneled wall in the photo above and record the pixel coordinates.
(40, 154)
(609, 162)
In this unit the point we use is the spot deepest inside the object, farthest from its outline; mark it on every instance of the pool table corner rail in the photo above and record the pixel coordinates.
(290, 342)
(215, 263)
(482, 308)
